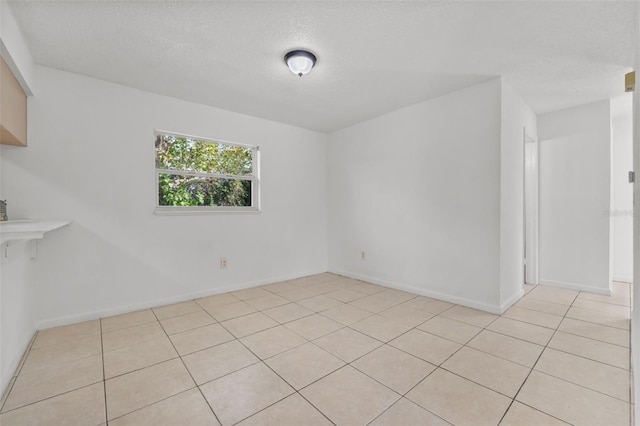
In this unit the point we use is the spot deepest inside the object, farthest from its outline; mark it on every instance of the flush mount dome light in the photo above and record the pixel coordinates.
(300, 61)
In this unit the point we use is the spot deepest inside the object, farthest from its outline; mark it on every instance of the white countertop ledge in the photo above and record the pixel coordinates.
(13, 230)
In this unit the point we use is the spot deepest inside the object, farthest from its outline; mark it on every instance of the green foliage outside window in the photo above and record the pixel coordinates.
(208, 173)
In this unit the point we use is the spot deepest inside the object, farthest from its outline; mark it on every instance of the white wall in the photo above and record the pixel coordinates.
(17, 310)
(516, 116)
(418, 190)
(14, 49)
(90, 159)
(622, 162)
(575, 165)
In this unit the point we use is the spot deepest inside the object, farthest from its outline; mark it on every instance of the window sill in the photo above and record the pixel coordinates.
(191, 211)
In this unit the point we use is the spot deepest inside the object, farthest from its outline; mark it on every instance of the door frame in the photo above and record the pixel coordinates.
(530, 206)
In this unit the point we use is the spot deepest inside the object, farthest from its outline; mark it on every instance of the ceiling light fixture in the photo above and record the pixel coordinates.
(300, 62)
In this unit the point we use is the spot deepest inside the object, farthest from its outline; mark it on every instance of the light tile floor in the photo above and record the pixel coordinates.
(325, 350)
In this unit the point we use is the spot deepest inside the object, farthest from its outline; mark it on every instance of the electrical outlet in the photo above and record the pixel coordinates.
(363, 255)
(224, 263)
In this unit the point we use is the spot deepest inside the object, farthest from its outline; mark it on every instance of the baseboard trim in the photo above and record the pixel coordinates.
(575, 286)
(87, 316)
(511, 301)
(622, 279)
(494, 309)
(635, 366)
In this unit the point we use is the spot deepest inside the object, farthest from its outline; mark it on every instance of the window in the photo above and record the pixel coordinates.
(198, 175)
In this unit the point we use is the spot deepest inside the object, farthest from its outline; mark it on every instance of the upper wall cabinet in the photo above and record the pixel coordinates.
(13, 109)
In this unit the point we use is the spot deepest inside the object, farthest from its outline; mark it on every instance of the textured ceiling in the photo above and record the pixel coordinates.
(373, 57)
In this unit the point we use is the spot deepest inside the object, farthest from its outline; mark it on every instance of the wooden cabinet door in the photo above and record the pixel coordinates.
(13, 109)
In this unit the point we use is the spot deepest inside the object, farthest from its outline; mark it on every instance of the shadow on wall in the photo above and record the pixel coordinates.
(68, 274)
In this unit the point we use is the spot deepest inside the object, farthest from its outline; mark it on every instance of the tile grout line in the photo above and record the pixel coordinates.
(452, 354)
(383, 343)
(628, 371)
(229, 373)
(5, 396)
(188, 371)
(555, 331)
(238, 339)
(493, 354)
(536, 362)
(123, 328)
(276, 373)
(142, 368)
(281, 378)
(62, 364)
(14, 378)
(23, 360)
(438, 366)
(536, 312)
(417, 405)
(621, 307)
(534, 365)
(563, 331)
(152, 365)
(614, 316)
(350, 363)
(308, 341)
(102, 355)
(582, 386)
(591, 338)
(530, 368)
(402, 395)
(257, 310)
(295, 319)
(181, 315)
(190, 329)
(52, 396)
(538, 410)
(401, 334)
(457, 350)
(153, 403)
(584, 356)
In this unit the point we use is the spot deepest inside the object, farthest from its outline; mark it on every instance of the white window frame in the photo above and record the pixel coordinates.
(191, 210)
